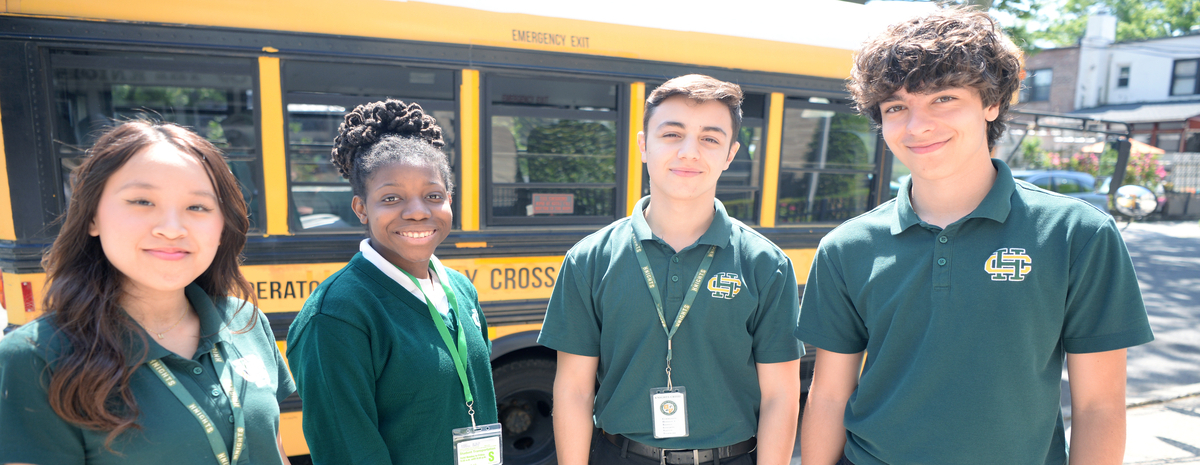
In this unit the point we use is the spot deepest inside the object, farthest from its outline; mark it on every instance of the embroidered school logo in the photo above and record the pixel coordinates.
(1011, 264)
(668, 407)
(725, 285)
(475, 318)
(252, 369)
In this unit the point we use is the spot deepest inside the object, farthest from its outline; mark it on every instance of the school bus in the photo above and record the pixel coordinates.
(540, 116)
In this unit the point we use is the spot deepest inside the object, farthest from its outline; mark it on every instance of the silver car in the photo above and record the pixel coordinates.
(1072, 183)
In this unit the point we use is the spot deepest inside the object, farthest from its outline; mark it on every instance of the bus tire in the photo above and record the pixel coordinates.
(523, 401)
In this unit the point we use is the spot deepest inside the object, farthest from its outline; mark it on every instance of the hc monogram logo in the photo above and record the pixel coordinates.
(1010, 264)
(725, 285)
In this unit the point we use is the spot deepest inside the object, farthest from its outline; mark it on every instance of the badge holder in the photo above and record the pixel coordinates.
(669, 406)
(478, 445)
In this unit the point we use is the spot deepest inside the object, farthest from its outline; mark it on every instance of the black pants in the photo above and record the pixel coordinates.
(844, 461)
(605, 452)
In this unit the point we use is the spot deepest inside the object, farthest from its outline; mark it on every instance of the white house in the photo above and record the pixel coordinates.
(1153, 84)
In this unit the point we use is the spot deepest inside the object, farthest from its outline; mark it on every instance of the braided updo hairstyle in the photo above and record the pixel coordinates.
(381, 133)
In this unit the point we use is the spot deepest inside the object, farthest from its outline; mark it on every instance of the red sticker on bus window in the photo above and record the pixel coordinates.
(562, 204)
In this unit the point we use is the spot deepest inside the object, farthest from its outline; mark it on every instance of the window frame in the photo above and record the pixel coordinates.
(1029, 87)
(255, 204)
(1124, 73)
(762, 122)
(349, 101)
(488, 109)
(1195, 77)
(874, 174)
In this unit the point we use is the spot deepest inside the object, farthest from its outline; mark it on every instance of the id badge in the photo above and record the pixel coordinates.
(478, 445)
(669, 409)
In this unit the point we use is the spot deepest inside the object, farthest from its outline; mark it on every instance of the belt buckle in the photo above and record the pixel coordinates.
(662, 455)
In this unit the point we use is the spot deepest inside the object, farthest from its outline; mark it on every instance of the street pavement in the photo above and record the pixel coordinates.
(1163, 388)
(1163, 391)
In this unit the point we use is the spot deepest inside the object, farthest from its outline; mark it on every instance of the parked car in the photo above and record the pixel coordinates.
(1072, 183)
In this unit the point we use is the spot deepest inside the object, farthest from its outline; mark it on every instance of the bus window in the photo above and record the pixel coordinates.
(318, 95)
(213, 96)
(741, 185)
(553, 151)
(826, 165)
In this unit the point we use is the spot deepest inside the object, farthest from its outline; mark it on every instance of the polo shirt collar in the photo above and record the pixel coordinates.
(718, 232)
(213, 329)
(995, 206)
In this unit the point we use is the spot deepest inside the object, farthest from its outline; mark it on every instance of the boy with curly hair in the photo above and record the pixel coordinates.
(966, 292)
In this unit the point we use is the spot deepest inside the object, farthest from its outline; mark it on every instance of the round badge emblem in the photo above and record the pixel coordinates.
(668, 407)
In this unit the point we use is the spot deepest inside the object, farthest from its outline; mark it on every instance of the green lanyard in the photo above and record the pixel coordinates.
(214, 437)
(687, 298)
(457, 352)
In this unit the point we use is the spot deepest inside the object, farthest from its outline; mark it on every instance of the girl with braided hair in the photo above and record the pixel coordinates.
(391, 353)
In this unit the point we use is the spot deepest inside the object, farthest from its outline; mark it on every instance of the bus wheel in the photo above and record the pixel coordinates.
(523, 398)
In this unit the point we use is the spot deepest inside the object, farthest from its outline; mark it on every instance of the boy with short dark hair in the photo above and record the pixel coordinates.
(683, 314)
(967, 291)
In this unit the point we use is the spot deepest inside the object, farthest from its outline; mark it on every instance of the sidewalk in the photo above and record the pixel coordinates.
(1163, 427)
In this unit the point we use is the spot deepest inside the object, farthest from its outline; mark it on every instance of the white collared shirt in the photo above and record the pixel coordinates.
(436, 293)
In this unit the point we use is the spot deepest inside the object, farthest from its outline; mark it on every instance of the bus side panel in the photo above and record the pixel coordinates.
(34, 201)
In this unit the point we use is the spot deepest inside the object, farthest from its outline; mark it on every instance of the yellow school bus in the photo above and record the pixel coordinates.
(540, 115)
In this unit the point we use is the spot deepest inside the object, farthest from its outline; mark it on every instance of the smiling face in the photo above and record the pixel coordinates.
(158, 220)
(407, 211)
(938, 134)
(685, 146)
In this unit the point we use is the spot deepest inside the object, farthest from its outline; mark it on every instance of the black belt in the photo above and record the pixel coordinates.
(677, 456)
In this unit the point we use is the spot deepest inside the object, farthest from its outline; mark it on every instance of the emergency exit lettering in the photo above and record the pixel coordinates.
(547, 38)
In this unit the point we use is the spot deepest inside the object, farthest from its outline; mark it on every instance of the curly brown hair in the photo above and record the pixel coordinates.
(951, 47)
(379, 133)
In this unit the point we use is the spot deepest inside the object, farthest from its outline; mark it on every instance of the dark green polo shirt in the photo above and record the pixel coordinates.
(378, 383)
(744, 314)
(966, 327)
(168, 434)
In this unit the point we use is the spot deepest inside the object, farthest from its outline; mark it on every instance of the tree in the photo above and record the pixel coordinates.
(1136, 20)
(1062, 23)
(1017, 12)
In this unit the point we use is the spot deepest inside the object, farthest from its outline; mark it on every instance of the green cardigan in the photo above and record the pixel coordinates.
(377, 381)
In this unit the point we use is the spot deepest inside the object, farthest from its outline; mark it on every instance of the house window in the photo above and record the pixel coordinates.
(1183, 79)
(1123, 77)
(1036, 87)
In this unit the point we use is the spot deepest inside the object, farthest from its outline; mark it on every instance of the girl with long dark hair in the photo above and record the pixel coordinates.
(390, 353)
(141, 356)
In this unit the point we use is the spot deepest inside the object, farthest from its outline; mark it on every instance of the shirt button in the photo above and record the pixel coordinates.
(675, 259)
(942, 261)
(197, 370)
(231, 418)
(216, 392)
(943, 239)
(675, 278)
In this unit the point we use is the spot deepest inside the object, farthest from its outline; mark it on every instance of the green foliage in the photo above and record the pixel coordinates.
(1136, 20)
(1143, 169)
(570, 151)
(1062, 23)
(1031, 153)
